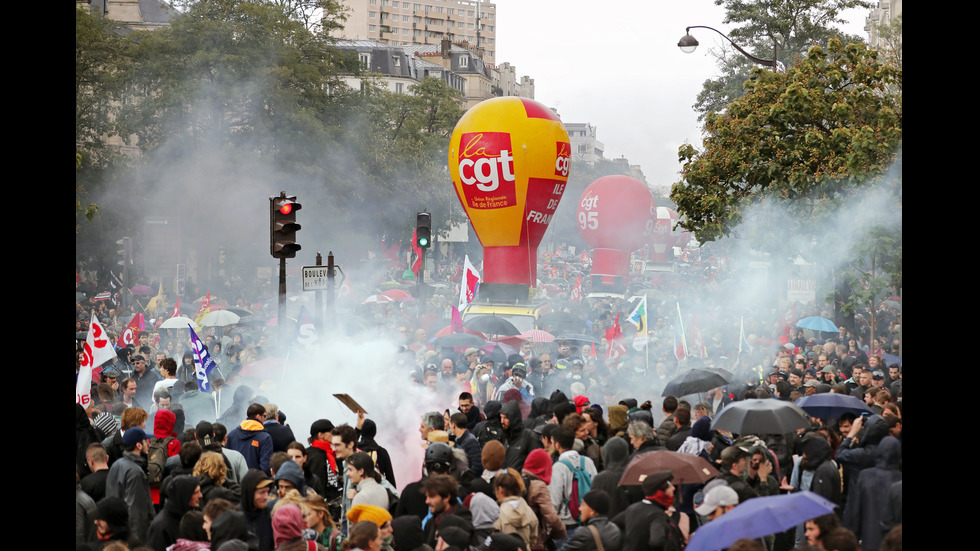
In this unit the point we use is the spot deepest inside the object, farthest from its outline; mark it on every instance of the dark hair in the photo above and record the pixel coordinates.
(220, 432)
(508, 483)
(361, 535)
(277, 459)
(190, 452)
(459, 419)
(192, 526)
(682, 417)
(565, 437)
(670, 404)
(296, 446)
(441, 485)
(254, 409)
(363, 462)
(465, 396)
(573, 421)
(169, 365)
(216, 506)
(346, 433)
(826, 523)
(840, 539)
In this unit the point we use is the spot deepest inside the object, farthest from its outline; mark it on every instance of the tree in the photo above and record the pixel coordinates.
(801, 141)
(762, 25)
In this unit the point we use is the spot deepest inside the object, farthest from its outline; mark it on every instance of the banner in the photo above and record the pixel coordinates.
(203, 362)
(98, 350)
(131, 334)
(468, 284)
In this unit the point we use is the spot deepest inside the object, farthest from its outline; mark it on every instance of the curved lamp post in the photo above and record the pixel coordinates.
(688, 44)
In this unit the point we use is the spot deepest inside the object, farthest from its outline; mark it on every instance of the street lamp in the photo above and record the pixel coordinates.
(688, 44)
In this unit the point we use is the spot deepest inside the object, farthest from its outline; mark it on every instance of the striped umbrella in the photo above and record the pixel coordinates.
(537, 335)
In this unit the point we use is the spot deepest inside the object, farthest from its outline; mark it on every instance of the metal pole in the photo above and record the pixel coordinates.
(282, 300)
(318, 297)
(331, 286)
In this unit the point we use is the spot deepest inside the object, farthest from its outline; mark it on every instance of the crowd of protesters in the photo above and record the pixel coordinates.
(526, 452)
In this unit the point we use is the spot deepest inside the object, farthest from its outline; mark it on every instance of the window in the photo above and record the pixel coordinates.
(450, 11)
(405, 18)
(373, 2)
(464, 61)
(459, 24)
(470, 13)
(373, 14)
(404, 31)
(468, 26)
(416, 6)
(394, 4)
(399, 88)
(438, 9)
(396, 61)
(365, 59)
(372, 28)
(384, 2)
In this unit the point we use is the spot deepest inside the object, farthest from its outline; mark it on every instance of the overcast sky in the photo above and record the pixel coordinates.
(616, 64)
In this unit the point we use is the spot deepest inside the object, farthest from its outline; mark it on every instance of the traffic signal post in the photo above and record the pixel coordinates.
(282, 243)
(423, 239)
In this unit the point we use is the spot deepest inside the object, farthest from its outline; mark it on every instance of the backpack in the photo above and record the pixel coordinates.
(157, 460)
(581, 485)
(491, 431)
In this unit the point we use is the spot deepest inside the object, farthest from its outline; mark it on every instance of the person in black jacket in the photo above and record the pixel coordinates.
(368, 445)
(185, 494)
(645, 524)
(595, 507)
(518, 440)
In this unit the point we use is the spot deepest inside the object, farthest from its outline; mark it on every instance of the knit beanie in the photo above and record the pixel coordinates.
(372, 513)
(598, 500)
(493, 455)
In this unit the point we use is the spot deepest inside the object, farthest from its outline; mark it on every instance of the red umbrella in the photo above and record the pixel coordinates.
(397, 294)
(377, 299)
(537, 335)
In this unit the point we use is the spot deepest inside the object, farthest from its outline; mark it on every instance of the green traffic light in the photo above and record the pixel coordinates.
(423, 242)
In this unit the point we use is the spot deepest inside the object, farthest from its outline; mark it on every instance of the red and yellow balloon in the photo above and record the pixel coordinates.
(509, 160)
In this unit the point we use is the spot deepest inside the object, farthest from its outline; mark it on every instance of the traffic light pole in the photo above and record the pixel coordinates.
(282, 301)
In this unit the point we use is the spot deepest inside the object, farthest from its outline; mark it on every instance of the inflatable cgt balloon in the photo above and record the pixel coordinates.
(509, 160)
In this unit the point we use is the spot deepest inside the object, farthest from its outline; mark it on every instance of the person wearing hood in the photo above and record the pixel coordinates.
(537, 471)
(408, 534)
(287, 530)
(229, 532)
(615, 456)
(596, 525)
(518, 440)
(239, 404)
(825, 480)
(618, 420)
(645, 524)
(490, 428)
(858, 449)
(289, 477)
(185, 494)
(257, 506)
(485, 513)
(368, 445)
(251, 440)
(867, 503)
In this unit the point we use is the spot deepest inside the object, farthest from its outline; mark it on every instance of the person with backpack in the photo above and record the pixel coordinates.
(127, 480)
(571, 478)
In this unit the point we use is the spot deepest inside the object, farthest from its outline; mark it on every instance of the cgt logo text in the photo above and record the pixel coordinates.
(485, 160)
(563, 158)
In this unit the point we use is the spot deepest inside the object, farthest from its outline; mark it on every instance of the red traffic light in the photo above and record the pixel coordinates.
(286, 208)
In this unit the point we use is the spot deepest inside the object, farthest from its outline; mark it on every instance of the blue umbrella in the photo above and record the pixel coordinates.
(832, 405)
(816, 323)
(891, 359)
(759, 517)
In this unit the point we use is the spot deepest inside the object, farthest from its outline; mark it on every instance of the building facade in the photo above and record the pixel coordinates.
(585, 147)
(469, 23)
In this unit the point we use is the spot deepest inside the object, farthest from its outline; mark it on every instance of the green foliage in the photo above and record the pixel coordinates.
(762, 25)
(802, 141)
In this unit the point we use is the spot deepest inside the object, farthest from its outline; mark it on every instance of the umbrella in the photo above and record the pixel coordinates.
(220, 318)
(816, 323)
(449, 329)
(577, 337)
(180, 322)
(459, 340)
(388, 285)
(891, 359)
(498, 352)
(831, 405)
(397, 294)
(377, 299)
(765, 416)
(537, 335)
(491, 325)
(759, 517)
(240, 311)
(686, 468)
(141, 290)
(695, 380)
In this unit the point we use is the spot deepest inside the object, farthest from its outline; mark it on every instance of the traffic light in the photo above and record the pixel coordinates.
(423, 230)
(126, 252)
(282, 215)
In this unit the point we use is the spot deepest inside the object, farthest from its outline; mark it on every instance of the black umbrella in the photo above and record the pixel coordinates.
(765, 416)
(694, 381)
(576, 337)
(491, 325)
(459, 340)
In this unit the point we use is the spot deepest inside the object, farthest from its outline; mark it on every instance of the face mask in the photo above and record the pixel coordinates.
(485, 377)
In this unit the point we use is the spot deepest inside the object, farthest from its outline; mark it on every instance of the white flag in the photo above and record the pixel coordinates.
(468, 283)
(98, 350)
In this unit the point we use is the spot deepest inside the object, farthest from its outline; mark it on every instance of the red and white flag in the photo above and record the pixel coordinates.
(98, 350)
(577, 290)
(417, 251)
(345, 291)
(176, 311)
(786, 322)
(615, 338)
(468, 284)
(697, 348)
(132, 332)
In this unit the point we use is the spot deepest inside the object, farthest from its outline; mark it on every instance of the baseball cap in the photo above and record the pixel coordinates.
(717, 497)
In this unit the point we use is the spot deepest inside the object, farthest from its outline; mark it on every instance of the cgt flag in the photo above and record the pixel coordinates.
(98, 350)
(132, 332)
(176, 311)
(203, 362)
(204, 310)
(576, 294)
(468, 283)
(614, 337)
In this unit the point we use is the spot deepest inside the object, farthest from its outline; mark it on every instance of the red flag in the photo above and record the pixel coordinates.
(132, 332)
(457, 322)
(417, 263)
(584, 257)
(786, 322)
(204, 310)
(176, 311)
(699, 350)
(577, 290)
(614, 338)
